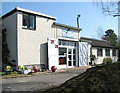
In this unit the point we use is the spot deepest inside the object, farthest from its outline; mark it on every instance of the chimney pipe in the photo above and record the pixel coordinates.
(78, 20)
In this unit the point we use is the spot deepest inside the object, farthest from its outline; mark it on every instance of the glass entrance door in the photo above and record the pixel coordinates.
(71, 57)
(62, 56)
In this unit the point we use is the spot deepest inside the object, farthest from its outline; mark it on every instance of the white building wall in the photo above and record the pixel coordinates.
(89, 52)
(32, 44)
(99, 60)
(10, 23)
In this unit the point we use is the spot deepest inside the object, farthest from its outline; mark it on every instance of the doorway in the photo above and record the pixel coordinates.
(67, 57)
(71, 57)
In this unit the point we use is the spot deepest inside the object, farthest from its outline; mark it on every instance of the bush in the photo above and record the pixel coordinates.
(93, 57)
(107, 60)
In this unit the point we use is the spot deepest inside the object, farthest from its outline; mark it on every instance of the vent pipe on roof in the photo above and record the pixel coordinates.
(78, 20)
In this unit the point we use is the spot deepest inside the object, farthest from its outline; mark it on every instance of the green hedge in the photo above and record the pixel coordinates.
(107, 60)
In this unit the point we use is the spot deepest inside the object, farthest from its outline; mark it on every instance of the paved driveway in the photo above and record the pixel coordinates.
(39, 81)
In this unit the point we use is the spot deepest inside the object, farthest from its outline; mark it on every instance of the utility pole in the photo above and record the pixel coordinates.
(118, 15)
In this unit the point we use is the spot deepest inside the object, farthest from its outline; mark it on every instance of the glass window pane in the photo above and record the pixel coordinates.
(63, 42)
(59, 42)
(107, 51)
(74, 63)
(70, 43)
(69, 63)
(62, 60)
(74, 57)
(62, 51)
(67, 43)
(69, 51)
(32, 22)
(74, 43)
(25, 21)
(99, 52)
(74, 51)
(69, 57)
(114, 52)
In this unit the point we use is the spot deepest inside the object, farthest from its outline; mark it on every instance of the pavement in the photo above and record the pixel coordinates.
(41, 80)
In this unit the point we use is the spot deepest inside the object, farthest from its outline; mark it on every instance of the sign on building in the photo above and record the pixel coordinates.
(67, 33)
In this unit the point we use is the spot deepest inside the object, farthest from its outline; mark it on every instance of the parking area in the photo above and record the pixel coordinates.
(41, 80)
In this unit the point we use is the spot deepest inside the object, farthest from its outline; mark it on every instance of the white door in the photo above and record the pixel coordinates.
(62, 57)
(83, 54)
(71, 57)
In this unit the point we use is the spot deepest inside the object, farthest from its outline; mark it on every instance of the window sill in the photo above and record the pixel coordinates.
(107, 56)
(28, 29)
(99, 56)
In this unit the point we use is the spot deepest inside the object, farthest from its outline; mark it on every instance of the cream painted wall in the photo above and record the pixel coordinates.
(29, 47)
(100, 59)
(32, 44)
(58, 30)
(10, 23)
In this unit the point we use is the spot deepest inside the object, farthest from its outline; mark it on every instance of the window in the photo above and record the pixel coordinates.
(67, 43)
(28, 21)
(99, 52)
(114, 52)
(62, 56)
(25, 21)
(32, 20)
(107, 52)
(62, 51)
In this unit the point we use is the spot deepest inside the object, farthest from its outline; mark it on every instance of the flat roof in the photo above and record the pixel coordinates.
(28, 11)
(67, 26)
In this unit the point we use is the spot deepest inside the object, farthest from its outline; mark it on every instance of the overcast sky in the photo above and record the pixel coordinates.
(66, 12)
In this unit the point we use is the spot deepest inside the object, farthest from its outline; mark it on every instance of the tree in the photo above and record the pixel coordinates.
(110, 37)
(110, 7)
(100, 32)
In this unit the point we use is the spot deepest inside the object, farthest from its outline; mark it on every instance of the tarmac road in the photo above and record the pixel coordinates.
(39, 81)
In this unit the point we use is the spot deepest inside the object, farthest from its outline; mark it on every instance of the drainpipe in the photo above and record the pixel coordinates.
(78, 41)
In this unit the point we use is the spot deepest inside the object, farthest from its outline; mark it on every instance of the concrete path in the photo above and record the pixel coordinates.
(40, 80)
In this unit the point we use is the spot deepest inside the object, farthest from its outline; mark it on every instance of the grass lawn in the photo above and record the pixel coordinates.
(12, 75)
(1, 73)
(105, 78)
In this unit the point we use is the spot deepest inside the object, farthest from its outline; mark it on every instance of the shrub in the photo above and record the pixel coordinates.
(93, 57)
(107, 60)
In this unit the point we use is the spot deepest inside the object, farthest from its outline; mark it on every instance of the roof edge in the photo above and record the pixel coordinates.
(67, 26)
(28, 11)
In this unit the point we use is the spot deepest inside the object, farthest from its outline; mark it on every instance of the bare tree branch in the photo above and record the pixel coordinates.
(100, 32)
(109, 8)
